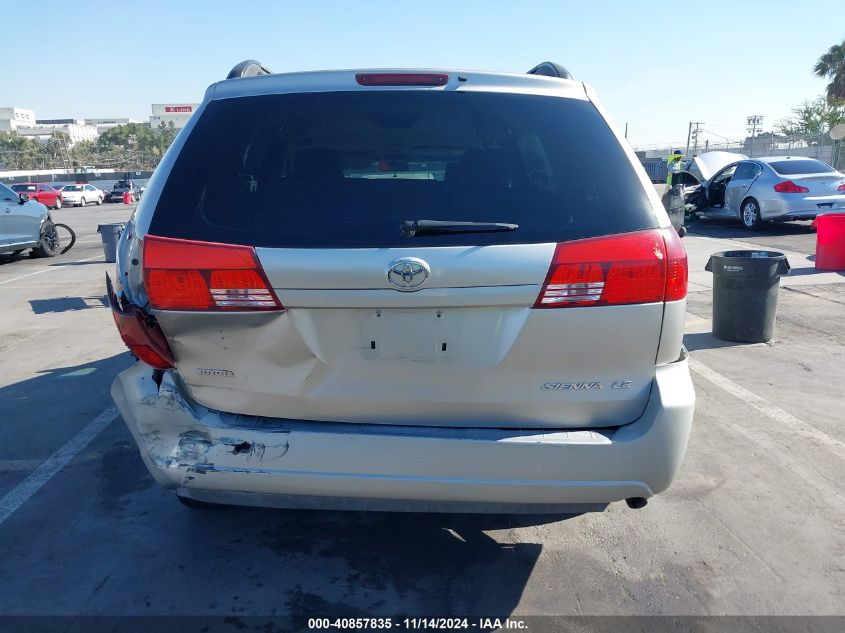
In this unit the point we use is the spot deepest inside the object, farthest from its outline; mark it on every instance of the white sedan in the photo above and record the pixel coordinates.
(80, 195)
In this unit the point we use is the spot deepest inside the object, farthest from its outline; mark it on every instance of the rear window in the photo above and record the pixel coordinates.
(798, 167)
(345, 169)
(22, 188)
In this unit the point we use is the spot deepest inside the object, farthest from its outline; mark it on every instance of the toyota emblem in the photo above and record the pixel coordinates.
(408, 274)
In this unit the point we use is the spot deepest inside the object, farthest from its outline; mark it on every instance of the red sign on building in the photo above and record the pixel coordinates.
(178, 109)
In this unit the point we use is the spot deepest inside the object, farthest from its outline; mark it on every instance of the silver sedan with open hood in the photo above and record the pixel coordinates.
(769, 189)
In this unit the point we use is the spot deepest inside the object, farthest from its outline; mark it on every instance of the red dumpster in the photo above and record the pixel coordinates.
(830, 241)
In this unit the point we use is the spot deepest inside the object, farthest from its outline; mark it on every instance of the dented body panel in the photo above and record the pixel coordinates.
(224, 457)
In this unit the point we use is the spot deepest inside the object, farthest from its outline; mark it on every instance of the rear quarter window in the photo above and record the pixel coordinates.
(799, 167)
(345, 169)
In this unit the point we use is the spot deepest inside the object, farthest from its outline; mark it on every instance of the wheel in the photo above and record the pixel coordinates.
(750, 214)
(193, 504)
(58, 204)
(82, 202)
(99, 200)
(49, 245)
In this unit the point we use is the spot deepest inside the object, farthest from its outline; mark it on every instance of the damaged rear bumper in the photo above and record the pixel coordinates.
(228, 458)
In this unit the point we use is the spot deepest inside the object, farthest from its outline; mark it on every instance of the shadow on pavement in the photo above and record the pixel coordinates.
(413, 564)
(718, 227)
(811, 270)
(66, 304)
(705, 340)
(9, 258)
(122, 540)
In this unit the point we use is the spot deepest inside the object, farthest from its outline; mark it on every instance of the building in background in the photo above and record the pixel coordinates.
(106, 124)
(77, 130)
(13, 118)
(24, 123)
(177, 113)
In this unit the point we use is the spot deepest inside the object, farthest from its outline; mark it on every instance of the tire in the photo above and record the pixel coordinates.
(193, 504)
(99, 200)
(749, 214)
(58, 204)
(49, 245)
(82, 202)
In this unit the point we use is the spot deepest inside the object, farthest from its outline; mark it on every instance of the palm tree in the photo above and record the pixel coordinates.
(831, 66)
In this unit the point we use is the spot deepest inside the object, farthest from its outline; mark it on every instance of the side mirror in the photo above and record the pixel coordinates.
(23, 198)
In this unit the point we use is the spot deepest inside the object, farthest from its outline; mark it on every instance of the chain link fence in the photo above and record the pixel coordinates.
(819, 146)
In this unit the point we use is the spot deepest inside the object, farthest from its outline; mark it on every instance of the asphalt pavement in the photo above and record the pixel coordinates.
(754, 524)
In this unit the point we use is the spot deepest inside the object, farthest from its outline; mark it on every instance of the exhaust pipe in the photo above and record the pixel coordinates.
(635, 503)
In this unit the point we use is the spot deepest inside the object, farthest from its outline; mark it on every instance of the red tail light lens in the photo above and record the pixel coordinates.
(402, 79)
(841, 187)
(190, 275)
(677, 269)
(144, 339)
(140, 332)
(640, 267)
(787, 186)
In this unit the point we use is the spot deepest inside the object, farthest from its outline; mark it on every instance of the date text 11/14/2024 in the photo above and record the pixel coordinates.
(416, 624)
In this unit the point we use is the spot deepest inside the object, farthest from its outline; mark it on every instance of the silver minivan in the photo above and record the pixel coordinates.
(404, 290)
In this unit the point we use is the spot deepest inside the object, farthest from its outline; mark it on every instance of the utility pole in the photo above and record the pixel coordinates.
(626, 130)
(694, 135)
(689, 132)
(752, 122)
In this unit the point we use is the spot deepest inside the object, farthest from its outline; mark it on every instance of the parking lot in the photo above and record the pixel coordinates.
(754, 524)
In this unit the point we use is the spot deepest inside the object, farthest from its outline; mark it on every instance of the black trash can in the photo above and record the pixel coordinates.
(745, 294)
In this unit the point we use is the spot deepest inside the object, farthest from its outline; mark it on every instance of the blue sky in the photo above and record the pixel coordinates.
(655, 65)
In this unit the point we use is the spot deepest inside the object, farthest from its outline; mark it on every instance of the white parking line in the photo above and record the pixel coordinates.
(767, 408)
(18, 495)
(45, 270)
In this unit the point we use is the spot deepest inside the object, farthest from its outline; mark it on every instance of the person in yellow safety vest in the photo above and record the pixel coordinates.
(673, 164)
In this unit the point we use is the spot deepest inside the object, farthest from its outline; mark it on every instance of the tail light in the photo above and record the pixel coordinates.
(787, 186)
(841, 187)
(640, 267)
(402, 79)
(677, 270)
(140, 332)
(190, 275)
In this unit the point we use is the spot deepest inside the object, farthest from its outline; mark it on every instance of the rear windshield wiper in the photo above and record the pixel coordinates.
(410, 228)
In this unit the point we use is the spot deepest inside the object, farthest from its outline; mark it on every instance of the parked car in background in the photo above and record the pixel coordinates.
(43, 193)
(404, 290)
(81, 194)
(120, 188)
(26, 223)
(767, 189)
